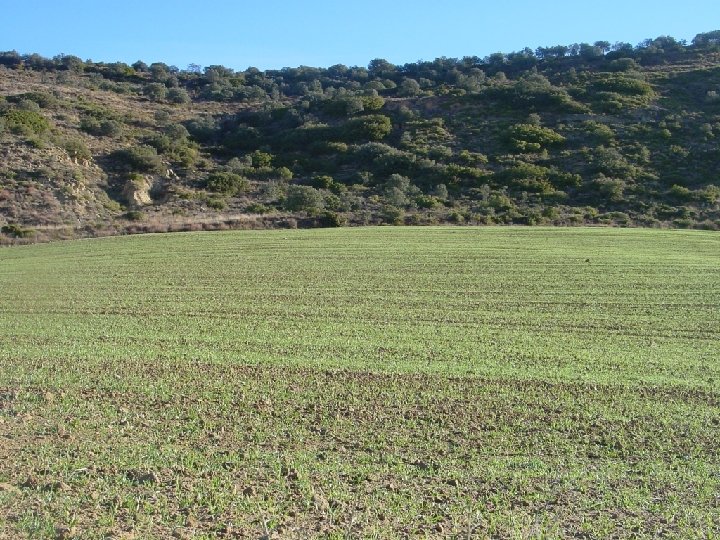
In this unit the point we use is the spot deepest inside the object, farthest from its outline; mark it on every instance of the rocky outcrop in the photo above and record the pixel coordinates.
(137, 191)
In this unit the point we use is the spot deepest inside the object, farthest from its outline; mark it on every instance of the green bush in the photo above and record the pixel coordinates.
(322, 182)
(227, 182)
(257, 208)
(392, 215)
(76, 149)
(368, 128)
(42, 99)
(533, 138)
(710, 194)
(140, 158)
(682, 193)
(332, 219)
(216, 203)
(178, 96)
(303, 199)
(16, 231)
(134, 215)
(155, 91)
(622, 84)
(261, 159)
(103, 128)
(26, 122)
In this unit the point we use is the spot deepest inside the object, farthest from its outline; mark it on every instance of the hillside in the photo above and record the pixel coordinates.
(580, 134)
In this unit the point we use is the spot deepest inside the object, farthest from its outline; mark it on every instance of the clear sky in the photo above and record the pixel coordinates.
(271, 34)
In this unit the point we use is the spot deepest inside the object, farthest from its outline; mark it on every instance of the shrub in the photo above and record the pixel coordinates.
(426, 201)
(682, 193)
(155, 91)
(27, 105)
(42, 99)
(303, 199)
(623, 85)
(612, 188)
(178, 96)
(368, 128)
(393, 215)
(15, 230)
(227, 182)
(134, 215)
(140, 158)
(600, 133)
(532, 138)
(322, 182)
(76, 149)
(261, 159)
(26, 122)
(216, 203)
(332, 219)
(710, 195)
(257, 208)
(104, 128)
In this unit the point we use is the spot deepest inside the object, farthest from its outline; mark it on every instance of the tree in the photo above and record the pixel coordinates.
(558, 51)
(381, 68)
(588, 52)
(69, 63)
(604, 46)
(160, 72)
(140, 66)
(409, 88)
(707, 39)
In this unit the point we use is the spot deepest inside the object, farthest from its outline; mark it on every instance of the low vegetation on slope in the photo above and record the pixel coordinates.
(364, 383)
(601, 133)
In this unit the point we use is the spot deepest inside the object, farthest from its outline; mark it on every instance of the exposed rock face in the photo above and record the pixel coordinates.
(137, 192)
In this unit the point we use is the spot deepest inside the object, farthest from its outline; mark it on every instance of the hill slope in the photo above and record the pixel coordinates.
(561, 135)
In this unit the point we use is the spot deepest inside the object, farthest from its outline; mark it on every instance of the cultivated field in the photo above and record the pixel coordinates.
(362, 383)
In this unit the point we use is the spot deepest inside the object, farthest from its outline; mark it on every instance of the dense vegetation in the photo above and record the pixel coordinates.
(586, 133)
(362, 383)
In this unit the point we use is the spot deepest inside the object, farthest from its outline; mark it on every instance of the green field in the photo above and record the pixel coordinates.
(362, 383)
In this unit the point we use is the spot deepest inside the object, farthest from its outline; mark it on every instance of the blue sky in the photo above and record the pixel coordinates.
(272, 34)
